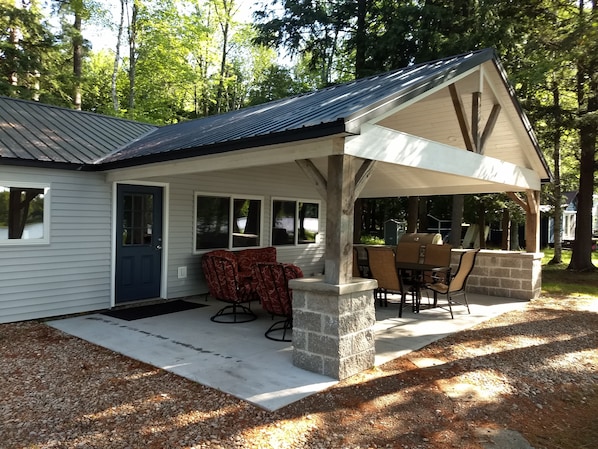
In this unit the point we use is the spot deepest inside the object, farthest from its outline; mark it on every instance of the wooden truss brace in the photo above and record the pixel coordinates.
(474, 140)
(361, 177)
(530, 204)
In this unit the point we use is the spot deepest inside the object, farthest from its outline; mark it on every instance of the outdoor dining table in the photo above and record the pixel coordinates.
(416, 279)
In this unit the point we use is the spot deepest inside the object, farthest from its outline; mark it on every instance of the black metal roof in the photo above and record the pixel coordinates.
(321, 113)
(33, 133)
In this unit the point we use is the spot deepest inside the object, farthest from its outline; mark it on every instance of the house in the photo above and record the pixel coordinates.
(125, 210)
(569, 219)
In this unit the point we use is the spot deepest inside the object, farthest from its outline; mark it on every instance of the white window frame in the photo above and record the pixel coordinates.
(231, 201)
(296, 233)
(45, 240)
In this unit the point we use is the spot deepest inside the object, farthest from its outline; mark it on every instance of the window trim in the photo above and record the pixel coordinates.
(231, 200)
(47, 188)
(296, 233)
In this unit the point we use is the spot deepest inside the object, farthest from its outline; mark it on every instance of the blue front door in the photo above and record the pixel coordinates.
(138, 242)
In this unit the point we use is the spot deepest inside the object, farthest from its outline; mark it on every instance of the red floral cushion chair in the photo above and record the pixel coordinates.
(276, 297)
(225, 284)
(247, 258)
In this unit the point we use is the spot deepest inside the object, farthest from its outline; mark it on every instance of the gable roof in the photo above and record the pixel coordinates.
(33, 133)
(336, 110)
(413, 101)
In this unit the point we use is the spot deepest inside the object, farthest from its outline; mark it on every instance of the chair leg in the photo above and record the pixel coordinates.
(449, 300)
(284, 326)
(466, 303)
(244, 315)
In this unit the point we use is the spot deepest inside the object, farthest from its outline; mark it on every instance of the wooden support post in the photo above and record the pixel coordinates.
(531, 206)
(339, 219)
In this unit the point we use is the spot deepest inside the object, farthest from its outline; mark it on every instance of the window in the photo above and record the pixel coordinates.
(294, 222)
(227, 222)
(23, 213)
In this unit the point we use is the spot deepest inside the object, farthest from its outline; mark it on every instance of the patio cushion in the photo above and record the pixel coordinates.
(247, 258)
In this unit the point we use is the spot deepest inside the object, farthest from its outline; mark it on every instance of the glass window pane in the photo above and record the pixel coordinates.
(21, 213)
(308, 222)
(138, 219)
(246, 222)
(212, 222)
(283, 222)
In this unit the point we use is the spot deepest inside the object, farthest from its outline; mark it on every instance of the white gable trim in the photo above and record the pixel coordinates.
(385, 145)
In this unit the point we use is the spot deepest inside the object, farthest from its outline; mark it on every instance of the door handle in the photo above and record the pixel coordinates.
(159, 247)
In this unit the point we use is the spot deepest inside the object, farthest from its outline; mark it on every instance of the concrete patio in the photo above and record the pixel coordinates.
(239, 360)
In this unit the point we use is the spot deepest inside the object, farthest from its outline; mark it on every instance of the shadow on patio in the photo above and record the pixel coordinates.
(239, 360)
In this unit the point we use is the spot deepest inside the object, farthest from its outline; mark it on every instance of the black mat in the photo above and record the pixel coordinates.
(136, 313)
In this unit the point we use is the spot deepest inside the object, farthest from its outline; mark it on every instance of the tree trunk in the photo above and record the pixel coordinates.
(132, 57)
(587, 95)
(506, 230)
(412, 213)
(115, 103)
(360, 37)
(457, 220)
(482, 225)
(557, 193)
(77, 60)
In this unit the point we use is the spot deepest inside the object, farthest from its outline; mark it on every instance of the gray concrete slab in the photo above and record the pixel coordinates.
(239, 360)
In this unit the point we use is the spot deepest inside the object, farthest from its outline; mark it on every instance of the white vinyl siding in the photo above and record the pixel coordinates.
(286, 181)
(72, 273)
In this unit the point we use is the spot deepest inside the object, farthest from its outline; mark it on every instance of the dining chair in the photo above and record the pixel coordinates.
(457, 283)
(439, 255)
(383, 269)
(408, 252)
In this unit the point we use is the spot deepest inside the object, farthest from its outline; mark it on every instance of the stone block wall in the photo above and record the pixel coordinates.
(510, 274)
(333, 326)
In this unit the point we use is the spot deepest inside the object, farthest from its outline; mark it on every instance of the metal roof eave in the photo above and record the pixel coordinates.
(290, 136)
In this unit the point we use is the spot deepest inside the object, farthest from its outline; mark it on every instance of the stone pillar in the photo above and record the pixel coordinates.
(333, 326)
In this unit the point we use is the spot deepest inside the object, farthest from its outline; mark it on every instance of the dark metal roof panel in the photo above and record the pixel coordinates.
(340, 103)
(31, 131)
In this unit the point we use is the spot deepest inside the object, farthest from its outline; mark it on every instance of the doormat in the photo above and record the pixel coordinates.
(137, 313)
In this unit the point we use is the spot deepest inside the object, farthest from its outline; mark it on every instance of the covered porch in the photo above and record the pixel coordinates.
(239, 360)
(448, 127)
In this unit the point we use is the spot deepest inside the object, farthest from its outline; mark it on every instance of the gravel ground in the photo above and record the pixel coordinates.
(534, 371)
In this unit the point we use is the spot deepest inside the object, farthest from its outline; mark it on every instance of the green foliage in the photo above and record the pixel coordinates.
(25, 39)
(557, 280)
(371, 240)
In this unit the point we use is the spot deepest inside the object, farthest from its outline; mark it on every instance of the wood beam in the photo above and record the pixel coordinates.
(461, 117)
(531, 206)
(338, 261)
(363, 175)
(489, 126)
(312, 172)
(476, 112)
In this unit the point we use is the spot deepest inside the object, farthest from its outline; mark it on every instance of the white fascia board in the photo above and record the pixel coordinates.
(382, 144)
(254, 157)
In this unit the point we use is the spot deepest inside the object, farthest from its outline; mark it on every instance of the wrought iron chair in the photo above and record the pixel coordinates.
(382, 268)
(276, 297)
(457, 283)
(225, 284)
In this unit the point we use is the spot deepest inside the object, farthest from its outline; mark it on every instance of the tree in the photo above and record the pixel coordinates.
(587, 97)
(25, 41)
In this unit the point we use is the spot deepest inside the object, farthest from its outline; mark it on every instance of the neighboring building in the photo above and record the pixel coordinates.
(569, 219)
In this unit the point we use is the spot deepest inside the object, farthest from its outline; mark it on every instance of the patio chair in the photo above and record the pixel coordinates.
(276, 297)
(457, 284)
(382, 268)
(220, 270)
(439, 255)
